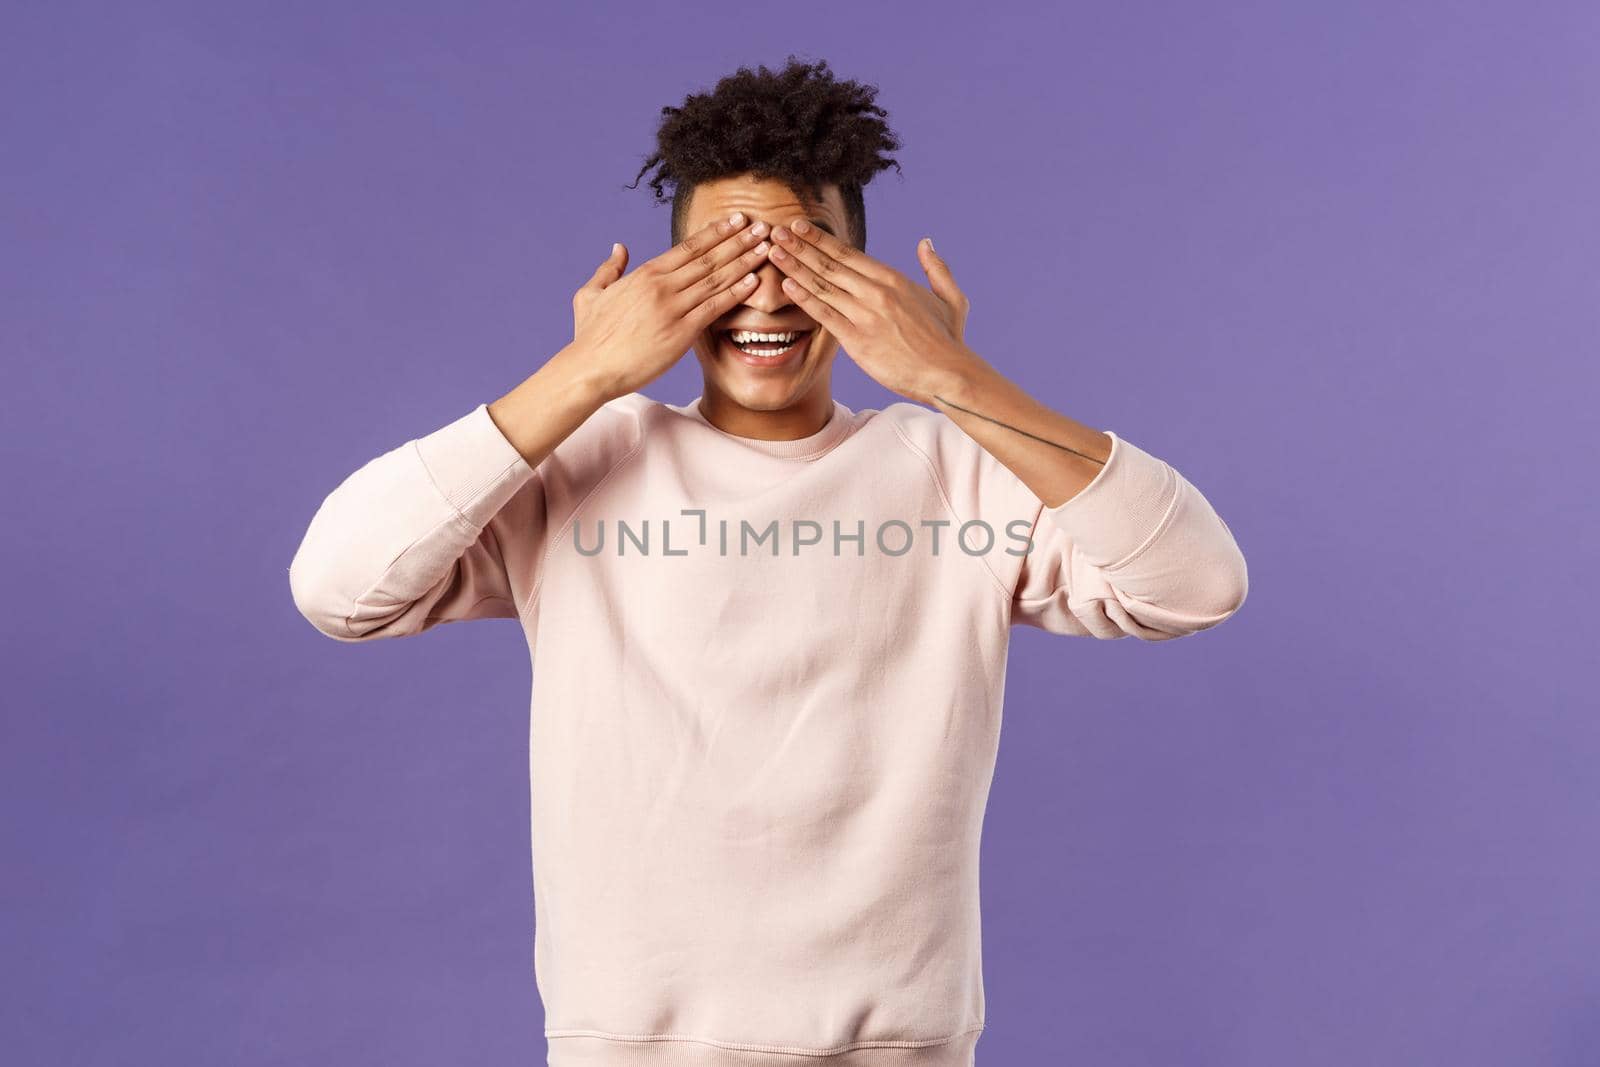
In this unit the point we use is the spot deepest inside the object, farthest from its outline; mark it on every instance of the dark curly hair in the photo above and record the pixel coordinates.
(797, 125)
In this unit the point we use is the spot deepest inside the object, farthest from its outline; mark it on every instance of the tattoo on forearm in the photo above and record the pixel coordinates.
(1013, 429)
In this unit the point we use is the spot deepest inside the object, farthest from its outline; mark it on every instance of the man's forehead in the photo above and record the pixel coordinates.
(761, 200)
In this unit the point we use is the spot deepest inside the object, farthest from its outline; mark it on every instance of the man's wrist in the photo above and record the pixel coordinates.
(582, 378)
(550, 403)
(960, 379)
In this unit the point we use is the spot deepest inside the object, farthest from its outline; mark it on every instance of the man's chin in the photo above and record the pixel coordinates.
(756, 390)
(770, 394)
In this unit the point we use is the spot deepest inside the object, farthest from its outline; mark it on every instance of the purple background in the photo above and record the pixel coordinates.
(1335, 262)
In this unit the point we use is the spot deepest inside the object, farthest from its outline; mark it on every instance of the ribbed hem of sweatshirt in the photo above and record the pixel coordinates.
(473, 465)
(580, 1050)
(1120, 512)
(833, 431)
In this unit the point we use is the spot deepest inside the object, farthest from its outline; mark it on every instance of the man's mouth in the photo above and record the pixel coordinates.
(764, 348)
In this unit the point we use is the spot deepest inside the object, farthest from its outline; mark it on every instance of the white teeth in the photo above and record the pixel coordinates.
(751, 336)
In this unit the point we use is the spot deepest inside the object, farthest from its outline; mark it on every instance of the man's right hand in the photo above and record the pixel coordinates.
(628, 330)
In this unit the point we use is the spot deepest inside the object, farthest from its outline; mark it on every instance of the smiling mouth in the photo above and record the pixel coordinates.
(763, 348)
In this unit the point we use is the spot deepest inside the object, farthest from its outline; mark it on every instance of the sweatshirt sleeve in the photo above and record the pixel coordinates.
(409, 540)
(1138, 551)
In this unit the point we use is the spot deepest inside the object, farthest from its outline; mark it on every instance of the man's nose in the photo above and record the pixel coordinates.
(769, 295)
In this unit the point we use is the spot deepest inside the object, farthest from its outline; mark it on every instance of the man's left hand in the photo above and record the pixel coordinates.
(907, 337)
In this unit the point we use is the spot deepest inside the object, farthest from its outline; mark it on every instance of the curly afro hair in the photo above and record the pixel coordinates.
(797, 125)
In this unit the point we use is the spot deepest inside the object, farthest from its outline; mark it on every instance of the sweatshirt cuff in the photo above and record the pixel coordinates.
(473, 465)
(1121, 510)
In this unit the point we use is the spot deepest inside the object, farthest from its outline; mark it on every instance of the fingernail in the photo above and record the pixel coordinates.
(736, 218)
(801, 226)
(615, 248)
(929, 242)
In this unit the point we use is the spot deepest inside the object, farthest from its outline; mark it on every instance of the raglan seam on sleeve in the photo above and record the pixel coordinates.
(944, 496)
(553, 542)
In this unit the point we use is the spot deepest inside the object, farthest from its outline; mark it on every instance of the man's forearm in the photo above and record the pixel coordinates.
(1054, 456)
(549, 404)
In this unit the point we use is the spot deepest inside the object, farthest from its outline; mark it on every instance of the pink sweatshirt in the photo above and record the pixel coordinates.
(767, 684)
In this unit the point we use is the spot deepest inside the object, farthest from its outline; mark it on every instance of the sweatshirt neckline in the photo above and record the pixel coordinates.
(833, 431)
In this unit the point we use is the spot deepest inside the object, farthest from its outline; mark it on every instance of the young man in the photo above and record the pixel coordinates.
(768, 632)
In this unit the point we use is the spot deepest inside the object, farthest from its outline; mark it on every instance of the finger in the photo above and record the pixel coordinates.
(845, 255)
(819, 286)
(718, 304)
(822, 312)
(610, 269)
(710, 270)
(704, 250)
(788, 247)
(940, 280)
(728, 274)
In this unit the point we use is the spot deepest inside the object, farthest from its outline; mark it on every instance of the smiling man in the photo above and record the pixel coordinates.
(768, 632)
